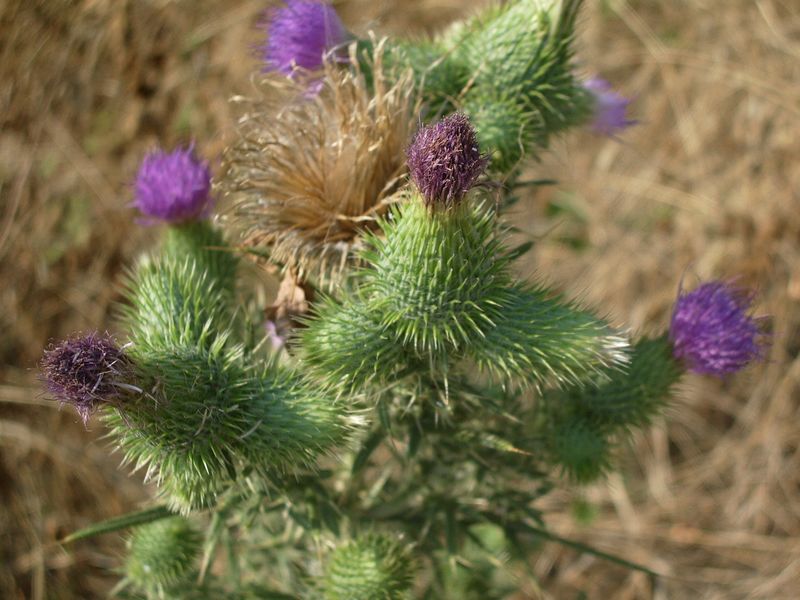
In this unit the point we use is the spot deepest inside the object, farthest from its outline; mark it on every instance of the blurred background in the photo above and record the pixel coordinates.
(707, 185)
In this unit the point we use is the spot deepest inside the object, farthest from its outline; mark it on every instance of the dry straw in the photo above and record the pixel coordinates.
(305, 178)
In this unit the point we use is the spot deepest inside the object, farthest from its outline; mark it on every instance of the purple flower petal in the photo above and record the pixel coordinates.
(299, 35)
(445, 161)
(173, 187)
(712, 332)
(610, 108)
(276, 340)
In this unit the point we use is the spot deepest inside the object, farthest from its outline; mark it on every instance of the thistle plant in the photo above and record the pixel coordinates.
(412, 418)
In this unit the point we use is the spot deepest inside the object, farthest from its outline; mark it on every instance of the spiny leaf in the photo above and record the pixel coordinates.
(132, 519)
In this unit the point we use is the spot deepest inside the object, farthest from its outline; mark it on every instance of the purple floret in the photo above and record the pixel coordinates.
(445, 161)
(84, 371)
(299, 35)
(609, 110)
(173, 186)
(712, 332)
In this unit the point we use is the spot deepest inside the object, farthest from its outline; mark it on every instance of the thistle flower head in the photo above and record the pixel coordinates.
(84, 371)
(303, 187)
(445, 161)
(299, 35)
(712, 332)
(609, 109)
(173, 186)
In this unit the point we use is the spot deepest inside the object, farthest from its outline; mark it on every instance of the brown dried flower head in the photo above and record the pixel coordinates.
(304, 179)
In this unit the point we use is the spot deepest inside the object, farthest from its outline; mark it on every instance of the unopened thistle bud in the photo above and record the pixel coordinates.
(173, 186)
(445, 161)
(609, 107)
(581, 450)
(712, 332)
(84, 371)
(299, 35)
(372, 567)
(162, 555)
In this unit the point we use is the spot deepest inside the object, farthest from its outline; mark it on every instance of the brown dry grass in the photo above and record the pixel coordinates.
(706, 184)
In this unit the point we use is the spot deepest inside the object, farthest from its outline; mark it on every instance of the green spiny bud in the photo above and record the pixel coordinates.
(175, 302)
(580, 448)
(198, 240)
(439, 75)
(373, 567)
(542, 339)
(522, 53)
(520, 44)
(438, 277)
(631, 397)
(504, 126)
(162, 556)
(347, 346)
(204, 416)
(186, 426)
(291, 422)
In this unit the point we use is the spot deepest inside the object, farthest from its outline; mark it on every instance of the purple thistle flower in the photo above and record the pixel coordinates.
(299, 35)
(445, 161)
(84, 371)
(276, 337)
(173, 186)
(609, 107)
(712, 332)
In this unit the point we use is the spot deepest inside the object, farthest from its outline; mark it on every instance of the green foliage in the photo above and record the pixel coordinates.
(371, 567)
(186, 424)
(522, 86)
(162, 557)
(204, 417)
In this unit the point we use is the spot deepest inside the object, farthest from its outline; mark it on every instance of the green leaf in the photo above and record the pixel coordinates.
(581, 547)
(367, 448)
(414, 439)
(329, 516)
(519, 251)
(451, 531)
(213, 536)
(115, 524)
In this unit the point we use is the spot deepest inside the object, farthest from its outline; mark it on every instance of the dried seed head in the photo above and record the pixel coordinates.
(84, 371)
(445, 161)
(173, 186)
(299, 35)
(712, 332)
(302, 184)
